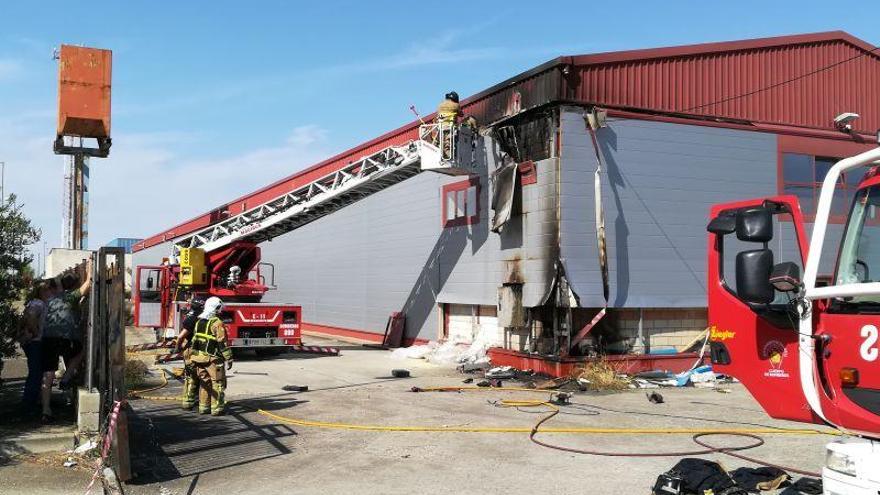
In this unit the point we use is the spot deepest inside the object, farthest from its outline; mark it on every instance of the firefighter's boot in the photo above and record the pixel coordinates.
(190, 389)
(218, 385)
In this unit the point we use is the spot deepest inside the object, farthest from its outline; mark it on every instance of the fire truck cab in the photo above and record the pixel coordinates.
(806, 347)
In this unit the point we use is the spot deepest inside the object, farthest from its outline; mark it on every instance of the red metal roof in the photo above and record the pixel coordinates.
(776, 81)
(772, 80)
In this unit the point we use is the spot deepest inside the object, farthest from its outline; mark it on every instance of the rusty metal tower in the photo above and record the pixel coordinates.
(83, 115)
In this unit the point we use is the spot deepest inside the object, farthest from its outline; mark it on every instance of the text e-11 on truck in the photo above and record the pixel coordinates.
(806, 347)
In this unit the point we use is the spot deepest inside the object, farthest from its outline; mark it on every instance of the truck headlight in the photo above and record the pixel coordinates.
(840, 462)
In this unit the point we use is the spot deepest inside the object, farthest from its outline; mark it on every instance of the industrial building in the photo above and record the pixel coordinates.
(678, 129)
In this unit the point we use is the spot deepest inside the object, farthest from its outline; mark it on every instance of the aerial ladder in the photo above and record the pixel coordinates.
(224, 259)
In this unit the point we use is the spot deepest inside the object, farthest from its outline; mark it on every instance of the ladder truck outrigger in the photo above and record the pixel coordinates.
(224, 259)
(807, 349)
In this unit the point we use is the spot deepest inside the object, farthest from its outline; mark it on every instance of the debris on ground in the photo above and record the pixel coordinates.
(599, 375)
(483, 383)
(135, 372)
(468, 380)
(760, 479)
(691, 476)
(450, 353)
(654, 398)
(400, 373)
(501, 372)
(295, 388)
(414, 351)
(84, 448)
(473, 367)
(699, 375)
(69, 463)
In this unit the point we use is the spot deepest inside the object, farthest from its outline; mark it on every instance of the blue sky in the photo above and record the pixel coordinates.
(215, 99)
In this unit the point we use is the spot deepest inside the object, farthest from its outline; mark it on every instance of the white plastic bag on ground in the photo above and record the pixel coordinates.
(447, 354)
(413, 352)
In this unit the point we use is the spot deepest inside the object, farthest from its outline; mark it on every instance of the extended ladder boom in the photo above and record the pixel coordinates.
(311, 201)
(339, 189)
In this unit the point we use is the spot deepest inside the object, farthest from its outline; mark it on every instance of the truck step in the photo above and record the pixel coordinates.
(315, 349)
(155, 345)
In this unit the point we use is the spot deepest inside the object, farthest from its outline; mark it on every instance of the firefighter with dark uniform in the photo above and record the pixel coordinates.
(184, 346)
(210, 352)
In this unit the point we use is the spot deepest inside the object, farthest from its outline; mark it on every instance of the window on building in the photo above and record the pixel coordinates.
(802, 176)
(461, 203)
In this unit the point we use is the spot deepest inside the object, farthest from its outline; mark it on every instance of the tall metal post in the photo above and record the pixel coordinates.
(79, 202)
(94, 319)
(2, 182)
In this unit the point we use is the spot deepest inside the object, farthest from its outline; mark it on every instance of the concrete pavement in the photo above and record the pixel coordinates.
(246, 452)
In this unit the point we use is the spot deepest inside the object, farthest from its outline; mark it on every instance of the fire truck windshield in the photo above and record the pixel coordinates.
(859, 260)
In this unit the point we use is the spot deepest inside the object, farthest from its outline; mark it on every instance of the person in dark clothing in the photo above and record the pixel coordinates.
(61, 336)
(30, 338)
(184, 341)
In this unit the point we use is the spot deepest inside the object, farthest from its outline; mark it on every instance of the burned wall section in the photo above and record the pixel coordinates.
(660, 181)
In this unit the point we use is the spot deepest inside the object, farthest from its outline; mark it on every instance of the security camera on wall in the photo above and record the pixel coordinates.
(844, 121)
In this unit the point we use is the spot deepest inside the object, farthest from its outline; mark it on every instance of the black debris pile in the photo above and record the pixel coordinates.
(691, 476)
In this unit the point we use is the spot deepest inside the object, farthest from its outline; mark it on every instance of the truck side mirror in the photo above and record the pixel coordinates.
(786, 277)
(754, 225)
(723, 224)
(149, 283)
(753, 276)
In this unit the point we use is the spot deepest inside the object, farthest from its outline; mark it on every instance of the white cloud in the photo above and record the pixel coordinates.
(158, 190)
(144, 187)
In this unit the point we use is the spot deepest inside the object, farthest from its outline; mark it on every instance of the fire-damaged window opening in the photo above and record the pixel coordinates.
(522, 140)
(528, 136)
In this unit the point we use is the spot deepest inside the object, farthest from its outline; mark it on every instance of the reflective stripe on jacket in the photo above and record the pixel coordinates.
(209, 341)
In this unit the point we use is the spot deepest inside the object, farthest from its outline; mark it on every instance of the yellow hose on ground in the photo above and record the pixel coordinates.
(511, 429)
(137, 393)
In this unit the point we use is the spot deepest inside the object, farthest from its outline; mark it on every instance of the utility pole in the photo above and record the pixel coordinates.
(2, 182)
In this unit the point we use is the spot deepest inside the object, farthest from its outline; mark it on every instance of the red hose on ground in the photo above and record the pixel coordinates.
(708, 449)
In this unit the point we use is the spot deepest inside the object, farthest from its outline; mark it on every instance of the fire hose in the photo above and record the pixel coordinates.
(698, 434)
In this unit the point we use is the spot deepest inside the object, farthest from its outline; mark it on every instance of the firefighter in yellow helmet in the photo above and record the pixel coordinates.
(210, 352)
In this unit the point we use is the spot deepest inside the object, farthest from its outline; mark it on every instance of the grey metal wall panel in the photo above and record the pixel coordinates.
(354, 267)
(660, 182)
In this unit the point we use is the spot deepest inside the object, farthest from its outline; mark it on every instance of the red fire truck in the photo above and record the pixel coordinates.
(163, 292)
(806, 348)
